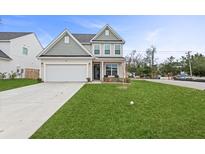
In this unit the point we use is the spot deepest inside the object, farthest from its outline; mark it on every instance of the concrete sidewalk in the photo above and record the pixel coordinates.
(24, 110)
(189, 84)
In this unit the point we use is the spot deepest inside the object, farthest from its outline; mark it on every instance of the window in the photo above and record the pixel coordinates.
(96, 49)
(25, 51)
(107, 49)
(66, 39)
(111, 69)
(117, 49)
(107, 32)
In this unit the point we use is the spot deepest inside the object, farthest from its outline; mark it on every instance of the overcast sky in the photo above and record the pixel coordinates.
(172, 35)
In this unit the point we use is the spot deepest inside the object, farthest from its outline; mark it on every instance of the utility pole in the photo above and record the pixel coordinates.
(190, 69)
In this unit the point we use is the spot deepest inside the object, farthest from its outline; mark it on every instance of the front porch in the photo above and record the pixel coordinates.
(108, 68)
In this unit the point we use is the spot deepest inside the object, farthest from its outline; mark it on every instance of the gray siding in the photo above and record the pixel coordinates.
(104, 37)
(61, 48)
(88, 47)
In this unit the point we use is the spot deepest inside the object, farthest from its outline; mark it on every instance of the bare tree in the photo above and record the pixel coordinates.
(150, 58)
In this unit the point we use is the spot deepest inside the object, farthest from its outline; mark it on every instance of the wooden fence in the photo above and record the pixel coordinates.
(31, 73)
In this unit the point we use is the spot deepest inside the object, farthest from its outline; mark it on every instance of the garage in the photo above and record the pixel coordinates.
(65, 72)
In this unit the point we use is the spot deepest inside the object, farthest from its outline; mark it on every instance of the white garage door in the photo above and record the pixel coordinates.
(66, 72)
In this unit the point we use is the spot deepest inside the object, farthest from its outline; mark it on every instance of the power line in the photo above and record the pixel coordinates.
(165, 51)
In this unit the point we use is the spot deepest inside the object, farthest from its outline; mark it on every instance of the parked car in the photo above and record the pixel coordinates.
(182, 76)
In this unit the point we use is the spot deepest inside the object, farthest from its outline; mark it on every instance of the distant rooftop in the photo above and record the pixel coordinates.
(12, 35)
(84, 38)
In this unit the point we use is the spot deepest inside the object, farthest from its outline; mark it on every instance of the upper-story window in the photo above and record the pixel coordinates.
(117, 49)
(107, 32)
(66, 40)
(96, 49)
(25, 51)
(107, 49)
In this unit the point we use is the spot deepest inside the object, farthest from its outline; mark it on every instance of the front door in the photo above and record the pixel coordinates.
(96, 71)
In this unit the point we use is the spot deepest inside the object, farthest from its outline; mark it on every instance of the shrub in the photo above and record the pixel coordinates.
(127, 80)
(116, 76)
(88, 79)
(12, 75)
(3, 75)
(39, 80)
(112, 79)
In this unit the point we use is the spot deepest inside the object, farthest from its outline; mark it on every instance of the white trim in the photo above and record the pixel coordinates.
(114, 32)
(103, 42)
(62, 63)
(44, 71)
(51, 43)
(87, 70)
(6, 59)
(91, 71)
(65, 57)
(85, 43)
(58, 38)
(124, 70)
(100, 49)
(102, 70)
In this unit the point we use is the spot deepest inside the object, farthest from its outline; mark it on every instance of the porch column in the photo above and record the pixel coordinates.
(102, 63)
(91, 71)
(124, 69)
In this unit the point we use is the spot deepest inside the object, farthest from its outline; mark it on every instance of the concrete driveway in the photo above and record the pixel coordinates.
(24, 110)
(189, 84)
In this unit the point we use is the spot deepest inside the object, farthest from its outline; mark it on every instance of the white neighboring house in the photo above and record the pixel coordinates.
(75, 57)
(18, 50)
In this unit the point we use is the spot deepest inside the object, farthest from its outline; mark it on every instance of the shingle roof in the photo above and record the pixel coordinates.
(3, 55)
(65, 55)
(84, 38)
(12, 35)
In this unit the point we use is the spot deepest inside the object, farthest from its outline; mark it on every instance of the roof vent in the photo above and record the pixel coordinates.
(66, 40)
(107, 32)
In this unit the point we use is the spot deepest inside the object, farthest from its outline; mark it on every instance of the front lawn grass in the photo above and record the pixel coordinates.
(15, 83)
(104, 111)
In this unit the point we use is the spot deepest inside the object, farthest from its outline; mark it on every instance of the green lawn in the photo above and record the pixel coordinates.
(104, 111)
(15, 83)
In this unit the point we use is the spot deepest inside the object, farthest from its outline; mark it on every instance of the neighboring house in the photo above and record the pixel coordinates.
(18, 50)
(75, 57)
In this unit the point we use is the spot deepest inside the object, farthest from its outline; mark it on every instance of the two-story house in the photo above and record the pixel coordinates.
(18, 51)
(75, 57)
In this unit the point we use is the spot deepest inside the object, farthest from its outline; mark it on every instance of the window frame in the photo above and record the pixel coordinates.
(111, 69)
(23, 51)
(95, 49)
(105, 49)
(117, 50)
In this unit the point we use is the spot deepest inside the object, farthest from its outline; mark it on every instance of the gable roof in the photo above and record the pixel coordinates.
(12, 35)
(111, 29)
(84, 38)
(4, 56)
(55, 41)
